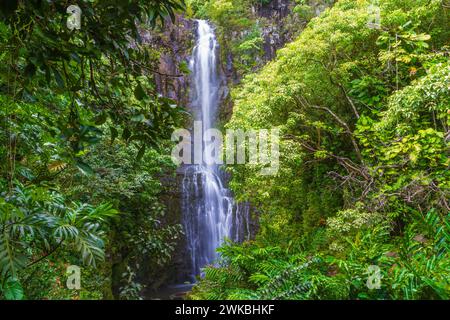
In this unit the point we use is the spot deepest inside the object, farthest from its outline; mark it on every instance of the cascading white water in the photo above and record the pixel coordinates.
(209, 212)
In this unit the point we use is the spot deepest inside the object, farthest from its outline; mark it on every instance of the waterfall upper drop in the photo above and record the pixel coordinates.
(209, 211)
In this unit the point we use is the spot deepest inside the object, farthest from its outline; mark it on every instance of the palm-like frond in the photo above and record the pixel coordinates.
(43, 219)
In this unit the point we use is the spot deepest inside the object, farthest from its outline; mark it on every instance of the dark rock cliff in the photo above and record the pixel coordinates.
(275, 31)
(174, 42)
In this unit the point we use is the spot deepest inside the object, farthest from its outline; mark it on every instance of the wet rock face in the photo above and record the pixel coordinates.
(274, 31)
(278, 26)
(174, 42)
(276, 9)
(178, 269)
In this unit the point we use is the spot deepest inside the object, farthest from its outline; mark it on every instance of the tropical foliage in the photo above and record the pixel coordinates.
(83, 139)
(363, 182)
(359, 208)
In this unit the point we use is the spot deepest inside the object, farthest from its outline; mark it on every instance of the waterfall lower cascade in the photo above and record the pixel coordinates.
(209, 211)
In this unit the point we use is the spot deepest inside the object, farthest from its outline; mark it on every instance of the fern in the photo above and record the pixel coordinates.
(35, 223)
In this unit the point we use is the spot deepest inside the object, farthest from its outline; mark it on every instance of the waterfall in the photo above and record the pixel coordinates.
(209, 212)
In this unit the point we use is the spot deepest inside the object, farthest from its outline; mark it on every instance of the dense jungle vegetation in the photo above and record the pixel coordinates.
(363, 179)
(83, 142)
(364, 160)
